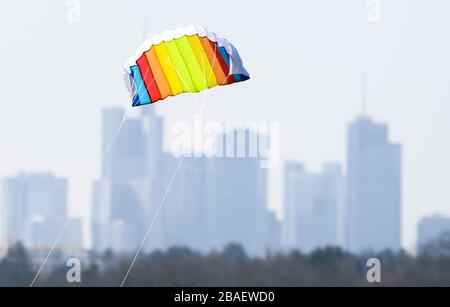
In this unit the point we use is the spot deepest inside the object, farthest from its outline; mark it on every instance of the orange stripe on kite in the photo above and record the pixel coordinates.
(148, 78)
(225, 68)
(158, 73)
(212, 57)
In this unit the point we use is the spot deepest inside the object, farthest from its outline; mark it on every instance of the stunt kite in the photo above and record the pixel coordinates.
(188, 60)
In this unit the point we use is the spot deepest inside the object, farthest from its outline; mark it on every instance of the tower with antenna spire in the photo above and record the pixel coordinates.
(374, 185)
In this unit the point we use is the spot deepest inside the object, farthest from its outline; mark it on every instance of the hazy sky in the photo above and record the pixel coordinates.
(305, 59)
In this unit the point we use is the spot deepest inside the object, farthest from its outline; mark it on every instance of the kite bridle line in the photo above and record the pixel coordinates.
(185, 84)
(192, 94)
(212, 65)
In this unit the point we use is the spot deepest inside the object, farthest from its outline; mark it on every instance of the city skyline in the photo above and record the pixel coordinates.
(34, 212)
(136, 169)
(205, 203)
(313, 92)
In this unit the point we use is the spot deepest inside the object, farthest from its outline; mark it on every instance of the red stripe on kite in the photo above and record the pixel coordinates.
(149, 79)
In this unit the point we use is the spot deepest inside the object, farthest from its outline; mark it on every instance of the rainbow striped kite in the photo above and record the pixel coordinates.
(187, 60)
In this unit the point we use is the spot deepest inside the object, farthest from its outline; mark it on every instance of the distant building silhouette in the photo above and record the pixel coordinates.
(123, 195)
(183, 220)
(373, 215)
(313, 204)
(218, 200)
(35, 211)
(239, 197)
(431, 228)
(211, 201)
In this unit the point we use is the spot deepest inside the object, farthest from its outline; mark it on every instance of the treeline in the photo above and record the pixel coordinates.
(232, 267)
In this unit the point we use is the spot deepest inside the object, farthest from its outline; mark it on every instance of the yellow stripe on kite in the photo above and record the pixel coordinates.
(169, 70)
(203, 61)
(192, 65)
(180, 67)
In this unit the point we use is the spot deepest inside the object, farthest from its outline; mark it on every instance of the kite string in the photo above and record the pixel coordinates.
(124, 118)
(116, 133)
(68, 220)
(126, 112)
(51, 250)
(149, 228)
(147, 233)
(105, 154)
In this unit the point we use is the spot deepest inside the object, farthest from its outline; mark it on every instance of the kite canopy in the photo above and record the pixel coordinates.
(187, 60)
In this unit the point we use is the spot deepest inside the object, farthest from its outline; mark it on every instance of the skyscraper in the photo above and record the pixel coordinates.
(214, 201)
(374, 188)
(313, 204)
(130, 185)
(123, 146)
(209, 203)
(184, 215)
(237, 200)
(35, 208)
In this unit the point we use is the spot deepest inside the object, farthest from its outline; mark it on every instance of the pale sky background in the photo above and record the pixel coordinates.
(305, 59)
